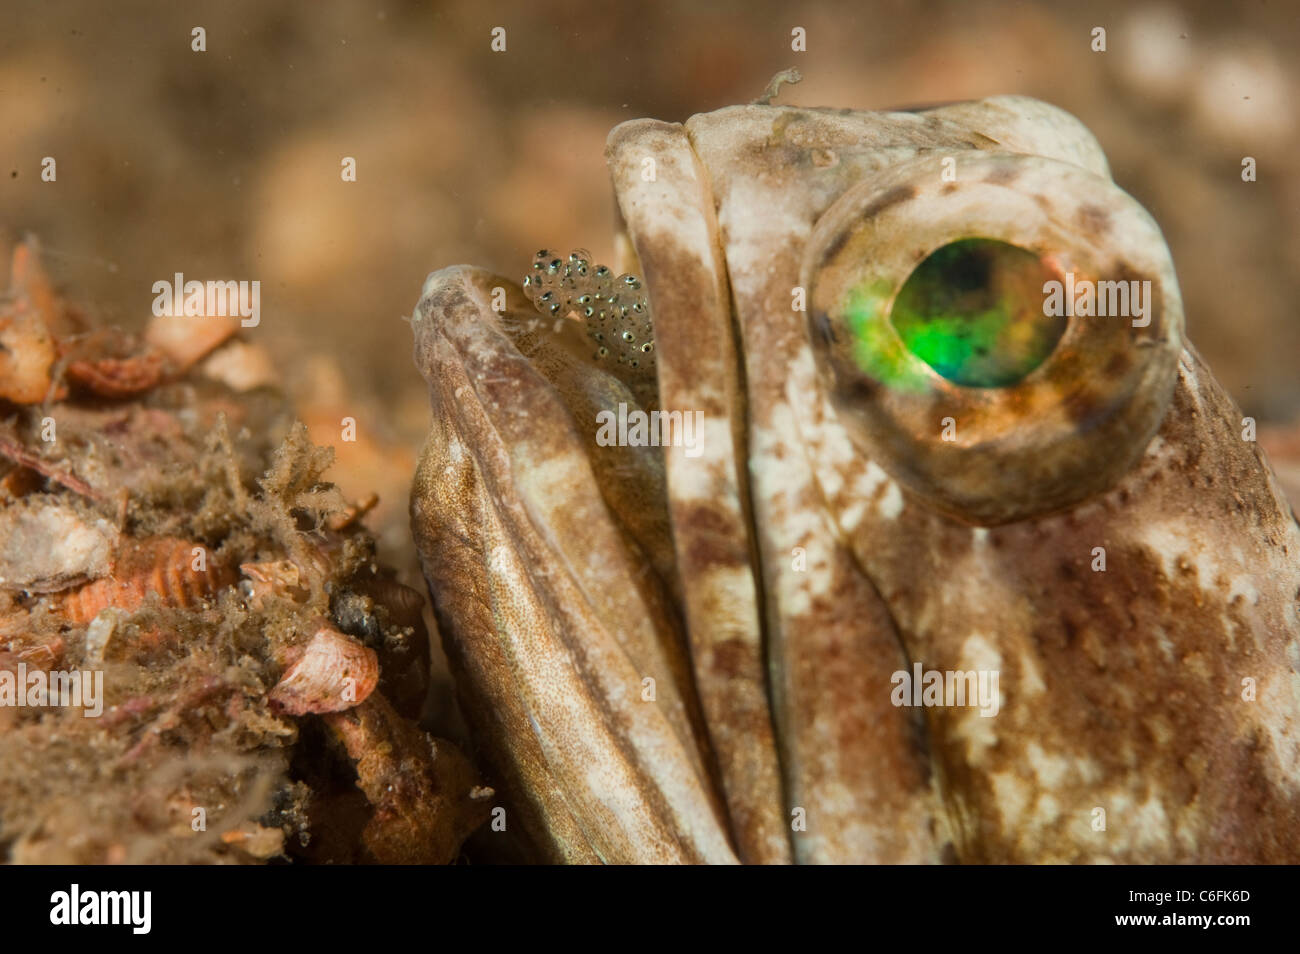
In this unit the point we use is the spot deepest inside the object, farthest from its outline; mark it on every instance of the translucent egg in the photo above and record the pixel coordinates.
(577, 286)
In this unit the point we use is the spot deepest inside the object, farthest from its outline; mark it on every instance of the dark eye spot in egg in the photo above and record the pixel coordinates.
(577, 286)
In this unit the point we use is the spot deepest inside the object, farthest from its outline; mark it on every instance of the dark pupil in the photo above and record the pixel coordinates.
(973, 311)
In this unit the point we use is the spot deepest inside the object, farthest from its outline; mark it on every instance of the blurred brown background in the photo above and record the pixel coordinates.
(225, 164)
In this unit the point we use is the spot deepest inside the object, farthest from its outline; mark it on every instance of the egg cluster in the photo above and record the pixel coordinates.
(615, 309)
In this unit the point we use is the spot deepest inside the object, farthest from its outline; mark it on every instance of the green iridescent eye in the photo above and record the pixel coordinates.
(927, 318)
(973, 311)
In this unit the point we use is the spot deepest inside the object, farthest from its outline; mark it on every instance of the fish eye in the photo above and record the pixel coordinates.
(936, 323)
(973, 311)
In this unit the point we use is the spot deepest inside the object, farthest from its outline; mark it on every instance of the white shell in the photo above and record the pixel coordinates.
(334, 673)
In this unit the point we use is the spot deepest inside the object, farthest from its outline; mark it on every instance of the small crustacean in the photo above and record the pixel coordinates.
(181, 572)
(334, 672)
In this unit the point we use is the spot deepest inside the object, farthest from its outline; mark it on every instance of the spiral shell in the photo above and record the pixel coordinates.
(162, 565)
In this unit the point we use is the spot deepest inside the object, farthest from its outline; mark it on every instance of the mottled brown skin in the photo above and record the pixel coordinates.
(1125, 720)
(828, 536)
